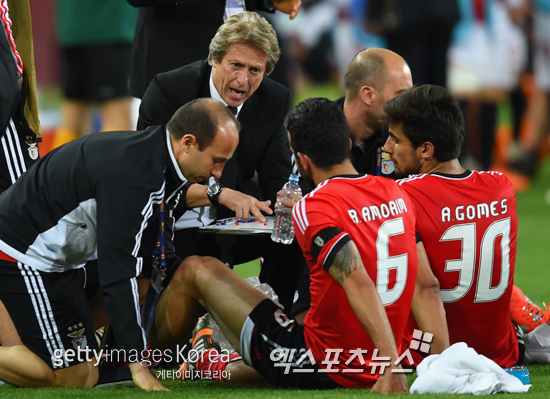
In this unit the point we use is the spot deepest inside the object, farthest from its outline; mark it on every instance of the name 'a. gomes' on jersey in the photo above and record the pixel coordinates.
(475, 211)
(382, 211)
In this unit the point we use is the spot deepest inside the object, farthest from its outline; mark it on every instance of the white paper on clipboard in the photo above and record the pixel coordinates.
(240, 226)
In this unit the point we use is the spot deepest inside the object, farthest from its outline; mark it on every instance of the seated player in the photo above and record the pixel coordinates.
(466, 219)
(357, 234)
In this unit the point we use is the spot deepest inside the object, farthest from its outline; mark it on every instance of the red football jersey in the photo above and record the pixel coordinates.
(378, 217)
(468, 224)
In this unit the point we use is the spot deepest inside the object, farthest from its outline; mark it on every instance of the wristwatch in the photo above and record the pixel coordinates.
(214, 192)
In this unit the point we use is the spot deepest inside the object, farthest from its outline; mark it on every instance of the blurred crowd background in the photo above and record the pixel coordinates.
(493, 54)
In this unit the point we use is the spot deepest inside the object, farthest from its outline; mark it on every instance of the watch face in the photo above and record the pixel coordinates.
(213, 189)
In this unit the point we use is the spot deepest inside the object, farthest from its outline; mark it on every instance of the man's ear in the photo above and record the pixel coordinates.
(188, 141)
(368, 95)
(305, 161)
(427, 150)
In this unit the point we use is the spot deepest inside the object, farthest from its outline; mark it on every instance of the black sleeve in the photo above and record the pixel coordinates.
(276, 166)
(260, 5)
(122, 213)
(9, 92)
(156, 108)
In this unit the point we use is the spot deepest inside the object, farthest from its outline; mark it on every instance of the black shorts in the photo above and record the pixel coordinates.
(275, 346)
(16, 154)
(50, 312)
(302, 297)
(96, 73)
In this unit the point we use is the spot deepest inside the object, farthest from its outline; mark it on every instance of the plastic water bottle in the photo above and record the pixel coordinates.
(283, 228)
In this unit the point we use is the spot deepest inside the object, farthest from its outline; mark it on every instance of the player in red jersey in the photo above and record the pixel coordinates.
(466, 219)
(359, 217)
(357, 233)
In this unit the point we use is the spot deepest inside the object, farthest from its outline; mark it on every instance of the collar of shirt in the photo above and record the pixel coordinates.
(216, 96)
(377, 140)
(173, 169)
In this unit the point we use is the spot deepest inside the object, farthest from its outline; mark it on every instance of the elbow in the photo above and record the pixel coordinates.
(429, 286)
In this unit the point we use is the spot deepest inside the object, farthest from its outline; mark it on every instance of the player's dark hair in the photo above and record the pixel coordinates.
(318, 129)
(429, 113)
(200, 118)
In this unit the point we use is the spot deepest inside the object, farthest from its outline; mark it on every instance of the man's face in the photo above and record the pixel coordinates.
(300, 166)
(303, 173)
(239, 73)
(197, 166)
(398, 79)
(405, 157)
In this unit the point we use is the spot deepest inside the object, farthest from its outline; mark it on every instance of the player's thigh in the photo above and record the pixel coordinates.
(50, 312)
(220, 290)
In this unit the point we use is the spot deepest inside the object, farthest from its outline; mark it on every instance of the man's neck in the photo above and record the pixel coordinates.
(452, 167)
(359, 130)
(345, 168)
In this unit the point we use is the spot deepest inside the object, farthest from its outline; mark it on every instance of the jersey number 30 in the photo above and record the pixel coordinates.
(466, 266)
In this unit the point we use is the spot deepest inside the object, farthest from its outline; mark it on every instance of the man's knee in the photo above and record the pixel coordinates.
(194, 268)
(83, 375)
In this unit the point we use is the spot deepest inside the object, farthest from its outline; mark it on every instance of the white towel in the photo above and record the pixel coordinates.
(460, 369)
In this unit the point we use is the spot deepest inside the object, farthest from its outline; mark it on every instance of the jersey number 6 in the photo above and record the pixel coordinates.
(385, 263)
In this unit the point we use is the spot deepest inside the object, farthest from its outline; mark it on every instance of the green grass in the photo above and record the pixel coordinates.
(209, 390)
(532, 266)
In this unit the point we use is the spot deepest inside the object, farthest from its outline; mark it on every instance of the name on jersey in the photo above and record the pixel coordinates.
(382, 211)
(477, 211)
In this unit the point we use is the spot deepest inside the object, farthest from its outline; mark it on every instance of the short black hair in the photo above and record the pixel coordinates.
(429, 113)
(200, 118)
(318, 129)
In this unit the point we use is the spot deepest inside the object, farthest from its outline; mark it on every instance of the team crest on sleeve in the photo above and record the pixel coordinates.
(319, 241)
(79, 339)
(33, 151)
(386, 165)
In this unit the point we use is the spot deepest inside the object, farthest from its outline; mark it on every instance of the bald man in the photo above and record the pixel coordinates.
(374, 77)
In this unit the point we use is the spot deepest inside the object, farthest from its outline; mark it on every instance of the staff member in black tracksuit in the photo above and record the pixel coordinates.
(96, 198)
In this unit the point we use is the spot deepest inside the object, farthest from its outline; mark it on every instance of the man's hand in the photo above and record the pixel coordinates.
(144, 379)
(391, 383)
(244, 205)
(290, 7)
(294, 197)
